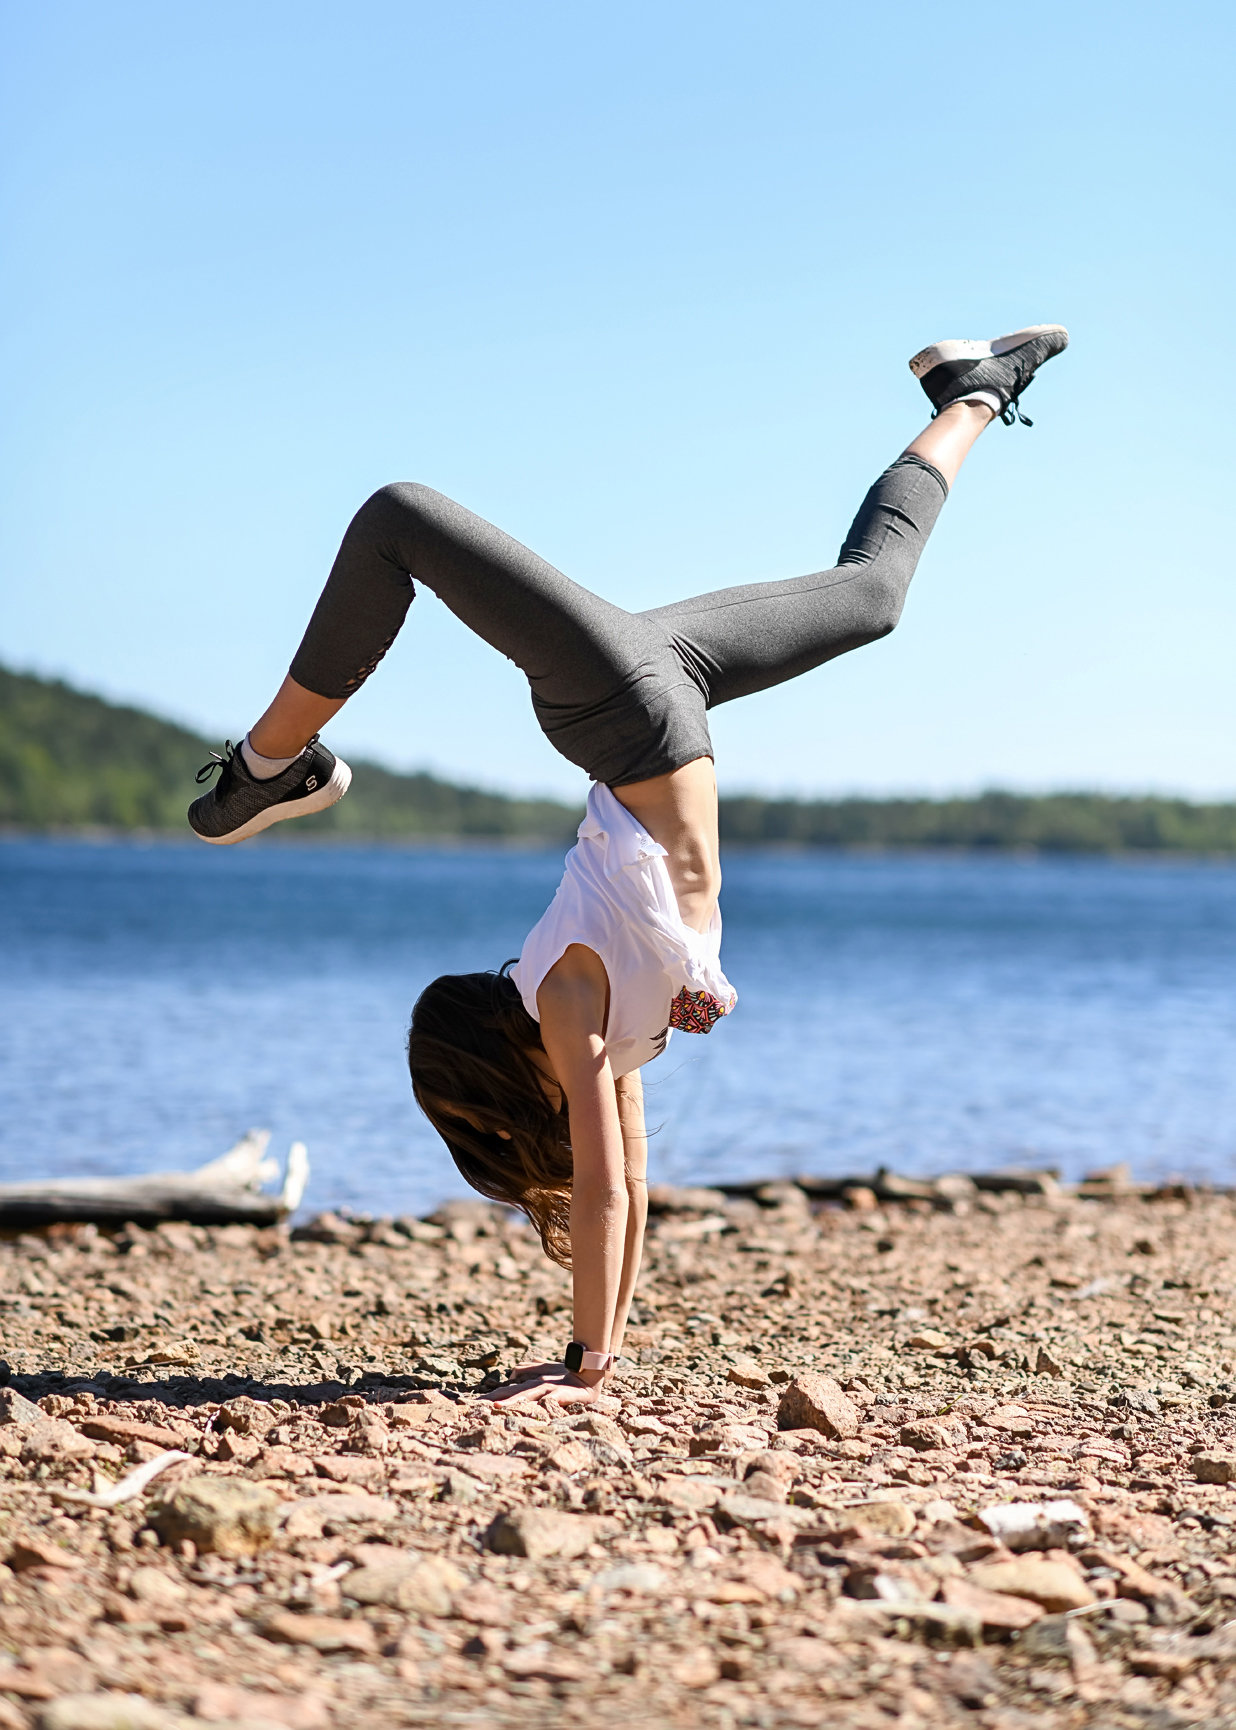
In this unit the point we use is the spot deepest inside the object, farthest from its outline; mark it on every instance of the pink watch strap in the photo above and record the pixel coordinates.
(597, 1360)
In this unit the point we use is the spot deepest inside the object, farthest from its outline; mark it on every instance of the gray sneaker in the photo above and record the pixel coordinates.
(1004, 365)
(239, 805)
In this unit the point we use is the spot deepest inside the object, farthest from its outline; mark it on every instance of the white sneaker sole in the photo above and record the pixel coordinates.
(320, 800)
(968, 349)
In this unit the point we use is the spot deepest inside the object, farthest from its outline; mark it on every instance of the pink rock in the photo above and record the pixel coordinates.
(999, 1611)
(221, 1703)
(323, 1633)
(816, 1402)
(125, 1430)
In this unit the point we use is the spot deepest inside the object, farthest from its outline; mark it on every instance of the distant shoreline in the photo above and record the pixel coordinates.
(300, 841)
(73, 765)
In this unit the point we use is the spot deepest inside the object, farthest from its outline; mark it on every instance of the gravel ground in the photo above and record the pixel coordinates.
(782, 1516)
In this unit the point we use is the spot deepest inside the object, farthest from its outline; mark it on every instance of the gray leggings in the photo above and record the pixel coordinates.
(623, 695)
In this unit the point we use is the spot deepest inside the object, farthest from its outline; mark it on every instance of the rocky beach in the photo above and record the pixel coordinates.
(907, 1456)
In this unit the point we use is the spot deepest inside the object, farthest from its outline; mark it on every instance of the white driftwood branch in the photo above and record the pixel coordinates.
(295, 1178)
(223, 1191)
(127, 1488)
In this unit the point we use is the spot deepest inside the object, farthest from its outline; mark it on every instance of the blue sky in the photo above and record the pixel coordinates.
(638, 283)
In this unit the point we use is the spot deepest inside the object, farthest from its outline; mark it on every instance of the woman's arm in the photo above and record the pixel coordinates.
(630, 1091)
(572, 1003)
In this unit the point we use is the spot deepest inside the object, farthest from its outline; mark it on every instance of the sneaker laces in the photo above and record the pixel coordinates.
(1012, 411)
(216, 762)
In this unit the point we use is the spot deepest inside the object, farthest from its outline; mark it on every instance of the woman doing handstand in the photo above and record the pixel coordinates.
(531, 1074)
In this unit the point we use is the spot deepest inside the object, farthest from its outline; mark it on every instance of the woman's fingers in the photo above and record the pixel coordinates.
(566, 1395)
(549, 1383)
(525, 1393)
(522, 1370)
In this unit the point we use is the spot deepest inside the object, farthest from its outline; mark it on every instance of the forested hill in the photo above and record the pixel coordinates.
(69, 760)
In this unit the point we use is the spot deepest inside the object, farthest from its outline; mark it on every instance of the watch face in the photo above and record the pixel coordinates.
(573, 1357)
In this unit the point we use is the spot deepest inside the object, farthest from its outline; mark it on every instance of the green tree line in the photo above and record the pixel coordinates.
(71, 761)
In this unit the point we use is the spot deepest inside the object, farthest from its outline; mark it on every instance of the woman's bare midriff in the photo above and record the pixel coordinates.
(679, 810)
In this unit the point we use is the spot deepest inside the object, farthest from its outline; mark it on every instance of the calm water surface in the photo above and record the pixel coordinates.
(929, 1014)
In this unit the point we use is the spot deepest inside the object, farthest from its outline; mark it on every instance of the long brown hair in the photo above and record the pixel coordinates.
(468, 1051)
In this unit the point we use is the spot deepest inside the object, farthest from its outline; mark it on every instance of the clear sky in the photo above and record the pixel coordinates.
(639, 283)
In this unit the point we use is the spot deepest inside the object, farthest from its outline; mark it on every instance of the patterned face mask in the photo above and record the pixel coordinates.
(698, 1011)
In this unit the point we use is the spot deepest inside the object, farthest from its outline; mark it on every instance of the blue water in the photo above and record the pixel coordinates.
(929, 1014)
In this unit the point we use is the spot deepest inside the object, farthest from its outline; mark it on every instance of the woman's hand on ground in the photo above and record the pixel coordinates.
(522, 1371)
(546, 1384)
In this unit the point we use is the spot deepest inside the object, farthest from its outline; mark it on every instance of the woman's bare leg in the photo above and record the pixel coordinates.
(680, 809)
(292, 719)
(947, 441)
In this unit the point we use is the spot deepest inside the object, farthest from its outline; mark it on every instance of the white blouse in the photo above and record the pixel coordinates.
(616, 899)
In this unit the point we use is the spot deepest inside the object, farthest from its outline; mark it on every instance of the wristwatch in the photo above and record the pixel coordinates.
(577, 1357)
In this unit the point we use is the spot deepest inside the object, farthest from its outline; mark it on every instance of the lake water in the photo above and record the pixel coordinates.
(931, 1014)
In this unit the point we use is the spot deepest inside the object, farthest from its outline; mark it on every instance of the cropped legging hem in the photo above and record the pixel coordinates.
(625, 696)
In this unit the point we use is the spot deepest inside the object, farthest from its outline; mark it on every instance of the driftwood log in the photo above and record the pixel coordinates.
(225, 1191)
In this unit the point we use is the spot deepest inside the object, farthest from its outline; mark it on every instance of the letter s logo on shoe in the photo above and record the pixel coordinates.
(311, 783)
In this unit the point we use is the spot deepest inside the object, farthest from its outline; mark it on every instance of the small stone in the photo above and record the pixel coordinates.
(538, 1533)
(1060, 1639)
(1010, 1421)
(27, 1683)
(1163, 1597)
(997, 1611)
(123, 1431)
(322, 1633)
(928, 1340)
(698, 1669)
(107, 1712)
(247, 1416)
(629, 1577)
(17, 1411)
(231, 1445)
(1214, 1467)
(484, 1605)
(153, 1586)
(569, 1457)
(1036, 1525)
(710, 1441)
(746, 1373)
(598, 1425)
(222, 1703)
(673, 1198)
(461, 1488)
(40, 1553)
(941, 1624)
(747, 1510)
(422, 1586)
(764, 1486)
(1171, 1666)
(349, 1469)
(540, 1661)
(340, 1414)
(691, 1495)
(51, 1440)
(610, 1455)
(931, 1433)
(891, 1519)
(311, 1517)
(502, 1466)
(1055, 1585)
(223, 1516)
(816, 1402)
